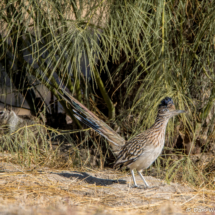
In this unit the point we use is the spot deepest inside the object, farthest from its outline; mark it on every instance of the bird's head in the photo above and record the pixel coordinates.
(167, 108)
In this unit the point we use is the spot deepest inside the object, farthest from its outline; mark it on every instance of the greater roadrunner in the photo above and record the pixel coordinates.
(139, 152)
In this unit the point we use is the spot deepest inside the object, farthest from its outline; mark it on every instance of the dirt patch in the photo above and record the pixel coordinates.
(88, 191)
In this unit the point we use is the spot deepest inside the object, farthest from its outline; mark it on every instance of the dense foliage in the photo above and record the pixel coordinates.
(119, 58)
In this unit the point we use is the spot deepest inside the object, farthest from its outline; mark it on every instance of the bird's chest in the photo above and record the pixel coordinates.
(159, 146)
(158, 149)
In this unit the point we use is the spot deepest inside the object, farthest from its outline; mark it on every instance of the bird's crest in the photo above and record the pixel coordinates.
(167, 103)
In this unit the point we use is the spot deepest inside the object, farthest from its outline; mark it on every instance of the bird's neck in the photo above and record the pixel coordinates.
(160, 124)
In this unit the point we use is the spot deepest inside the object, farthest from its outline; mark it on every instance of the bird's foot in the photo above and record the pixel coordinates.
(144, 187)
(134, 186)
(138, 186)
(152, 187)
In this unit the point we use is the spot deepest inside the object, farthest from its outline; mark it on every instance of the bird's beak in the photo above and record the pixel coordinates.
(176, 112)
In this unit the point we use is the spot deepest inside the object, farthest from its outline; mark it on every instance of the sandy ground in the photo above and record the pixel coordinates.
(88, 191)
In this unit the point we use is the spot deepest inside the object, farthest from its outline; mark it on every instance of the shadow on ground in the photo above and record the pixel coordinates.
(91, 179)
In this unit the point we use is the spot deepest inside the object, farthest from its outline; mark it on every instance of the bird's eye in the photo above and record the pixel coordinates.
(164, 109)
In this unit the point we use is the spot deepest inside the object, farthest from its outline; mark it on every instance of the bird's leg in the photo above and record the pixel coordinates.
(135, 184)
(143, 179)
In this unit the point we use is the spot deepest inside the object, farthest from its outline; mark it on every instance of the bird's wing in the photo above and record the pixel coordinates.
(132, 150)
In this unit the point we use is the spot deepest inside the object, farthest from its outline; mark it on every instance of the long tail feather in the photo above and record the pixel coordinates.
(88, 118)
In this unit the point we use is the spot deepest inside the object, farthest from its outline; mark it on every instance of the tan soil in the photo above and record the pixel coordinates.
(88, 191)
